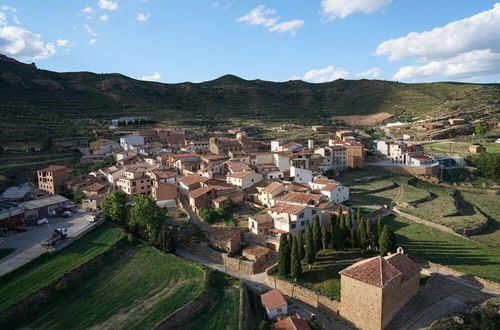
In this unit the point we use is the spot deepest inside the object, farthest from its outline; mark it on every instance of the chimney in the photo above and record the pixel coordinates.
(400, 250)
(310, 144)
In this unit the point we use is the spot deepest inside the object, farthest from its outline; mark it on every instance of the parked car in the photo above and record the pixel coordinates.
(67, 214)
(42, 221)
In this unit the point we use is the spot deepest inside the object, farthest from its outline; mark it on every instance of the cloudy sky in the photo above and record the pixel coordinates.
(278, 40)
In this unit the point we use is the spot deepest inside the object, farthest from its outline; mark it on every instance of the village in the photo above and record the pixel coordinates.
(234, 201)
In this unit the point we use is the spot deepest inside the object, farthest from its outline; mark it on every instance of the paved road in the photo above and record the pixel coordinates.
(257, 282)
(27, 244)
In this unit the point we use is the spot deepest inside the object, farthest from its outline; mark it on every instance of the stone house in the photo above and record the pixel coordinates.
(291, 323)
(260, 224)
(225, 239)
(375, 289)
(274, 303)
(476, 148)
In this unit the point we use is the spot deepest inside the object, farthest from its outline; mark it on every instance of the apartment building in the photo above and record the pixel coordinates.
(52, 178)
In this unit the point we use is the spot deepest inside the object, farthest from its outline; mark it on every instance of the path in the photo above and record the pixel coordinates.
(257, 283)
(193, 217)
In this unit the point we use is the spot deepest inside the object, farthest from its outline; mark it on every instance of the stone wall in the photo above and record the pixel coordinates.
(449, 271)
(312, 298)
(373, 191)
(405, 170)
(425, 222)
(205, 251)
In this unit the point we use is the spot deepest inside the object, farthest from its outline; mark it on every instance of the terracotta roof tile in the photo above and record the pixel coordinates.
(287, 208)
(256, 250)
(273, 299)
(200, 192)
(375, 271)
(272, 187)
(291, 323)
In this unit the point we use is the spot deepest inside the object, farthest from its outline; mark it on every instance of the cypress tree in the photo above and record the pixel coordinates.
(369, 232)
(363, 240)
(379, 227)
(358, 216)
(348, 218)
(338, 239)
(284, 256)
(296, 267)
(387, 241)
(300, 245)
(332, 228)
(310, 250)
(316, 229)
(324, 236)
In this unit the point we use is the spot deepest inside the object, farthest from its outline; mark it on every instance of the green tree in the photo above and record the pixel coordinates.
(325, 236)
(363, 239)
(316, 229)
(338, 238)
(300, 244)
(78, 196)
(479, 129)
(66, 192)
(310, 249)
(147, 218)
(284, 256)
(332, 229)
(348, 220)
(387, 241)
(296, 266)
(379, 228)
(114, 207)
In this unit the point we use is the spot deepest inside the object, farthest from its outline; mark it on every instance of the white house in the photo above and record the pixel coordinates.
(131, 142)
(291, 218)
(107, 147)
(301, 175)
(243, 180)
(336, 193)
(274, 303)
(282, 160)
(421, 161)
(275, 144)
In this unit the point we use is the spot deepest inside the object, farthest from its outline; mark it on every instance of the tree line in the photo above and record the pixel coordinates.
(145, 219)
(341, 233)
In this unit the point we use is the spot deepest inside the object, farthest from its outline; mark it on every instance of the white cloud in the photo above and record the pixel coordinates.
(64, 44)
(288, 26)
(155, 77)
(324, 75)
(89, 30)
(470, 65)
(480, 31)
(23, 44)
(259, 16)
(215, 4)
(3, 18)
(92, 41)
(87, 10)
(370, 73)
(265, 17)
(8, 8)
(141, 17)
(333, 9)
(103, 18)
(17, 20)
(107, 4)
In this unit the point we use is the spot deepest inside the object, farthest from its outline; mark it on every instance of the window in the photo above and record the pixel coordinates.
(292, 226)
(302, 223)
(279, 310)
(314, 212)
(301, 215)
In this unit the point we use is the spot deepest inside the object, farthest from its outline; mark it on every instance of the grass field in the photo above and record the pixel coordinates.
(224, 314)
(489, 205)
(348, 177)
(460, 148)
(323, 276)
(5, 252)
(14, 165)
(138, 291)
(379, 184)
(435, 245)
(46, 268)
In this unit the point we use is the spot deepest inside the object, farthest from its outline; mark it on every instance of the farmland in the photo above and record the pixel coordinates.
(139, 290)
(224, 313)
(447, 249)
(46, 268)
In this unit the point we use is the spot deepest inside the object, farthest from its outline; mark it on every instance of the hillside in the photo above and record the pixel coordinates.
(43, 99)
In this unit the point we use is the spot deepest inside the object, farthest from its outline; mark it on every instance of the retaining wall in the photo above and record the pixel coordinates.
(312, 298)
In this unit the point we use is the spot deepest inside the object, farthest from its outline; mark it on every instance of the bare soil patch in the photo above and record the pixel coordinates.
(367, 120)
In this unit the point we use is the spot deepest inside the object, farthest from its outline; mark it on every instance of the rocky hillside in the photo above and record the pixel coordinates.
(34, 96)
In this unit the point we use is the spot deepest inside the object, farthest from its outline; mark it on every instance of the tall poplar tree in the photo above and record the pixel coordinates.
(296, 267)
(316, 229)
(310, 249)
(284, 256)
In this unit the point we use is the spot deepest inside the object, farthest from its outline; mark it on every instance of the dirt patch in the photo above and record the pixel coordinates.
(365, 120)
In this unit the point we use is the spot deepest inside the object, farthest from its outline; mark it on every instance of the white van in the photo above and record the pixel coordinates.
(42, 221)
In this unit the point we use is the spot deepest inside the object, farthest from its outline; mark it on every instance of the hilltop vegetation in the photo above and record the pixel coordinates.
(76, 102)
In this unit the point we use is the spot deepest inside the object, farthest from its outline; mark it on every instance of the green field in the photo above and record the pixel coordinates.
(460, 148)
(349, 177)
(323, 276)
(46, 268)
(224, 313)
(138, 291)
(5, 252)
(489, 205)
(447, 249)
(379, 184)
(14, 165)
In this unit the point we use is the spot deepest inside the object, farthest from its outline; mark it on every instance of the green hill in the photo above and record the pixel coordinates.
(34, 100)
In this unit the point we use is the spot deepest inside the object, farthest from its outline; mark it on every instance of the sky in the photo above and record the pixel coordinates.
(277, 40)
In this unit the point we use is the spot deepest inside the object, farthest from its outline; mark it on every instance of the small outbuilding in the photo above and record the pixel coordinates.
(476, 149)
(274, 303)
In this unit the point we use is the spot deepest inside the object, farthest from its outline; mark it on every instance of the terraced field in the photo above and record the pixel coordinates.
(46, 268)
(136, 292)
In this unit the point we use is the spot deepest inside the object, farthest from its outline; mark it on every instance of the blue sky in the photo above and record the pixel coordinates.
(278, 40)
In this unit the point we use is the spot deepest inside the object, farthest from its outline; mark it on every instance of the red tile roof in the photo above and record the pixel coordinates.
(287, 208)
(404, 264)
(375, 271)
(291, 323)
(297, 197)
(240, 175)
(256, 250)
(272, 299)
(200, 192)
(54, 168)
(272, 187)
